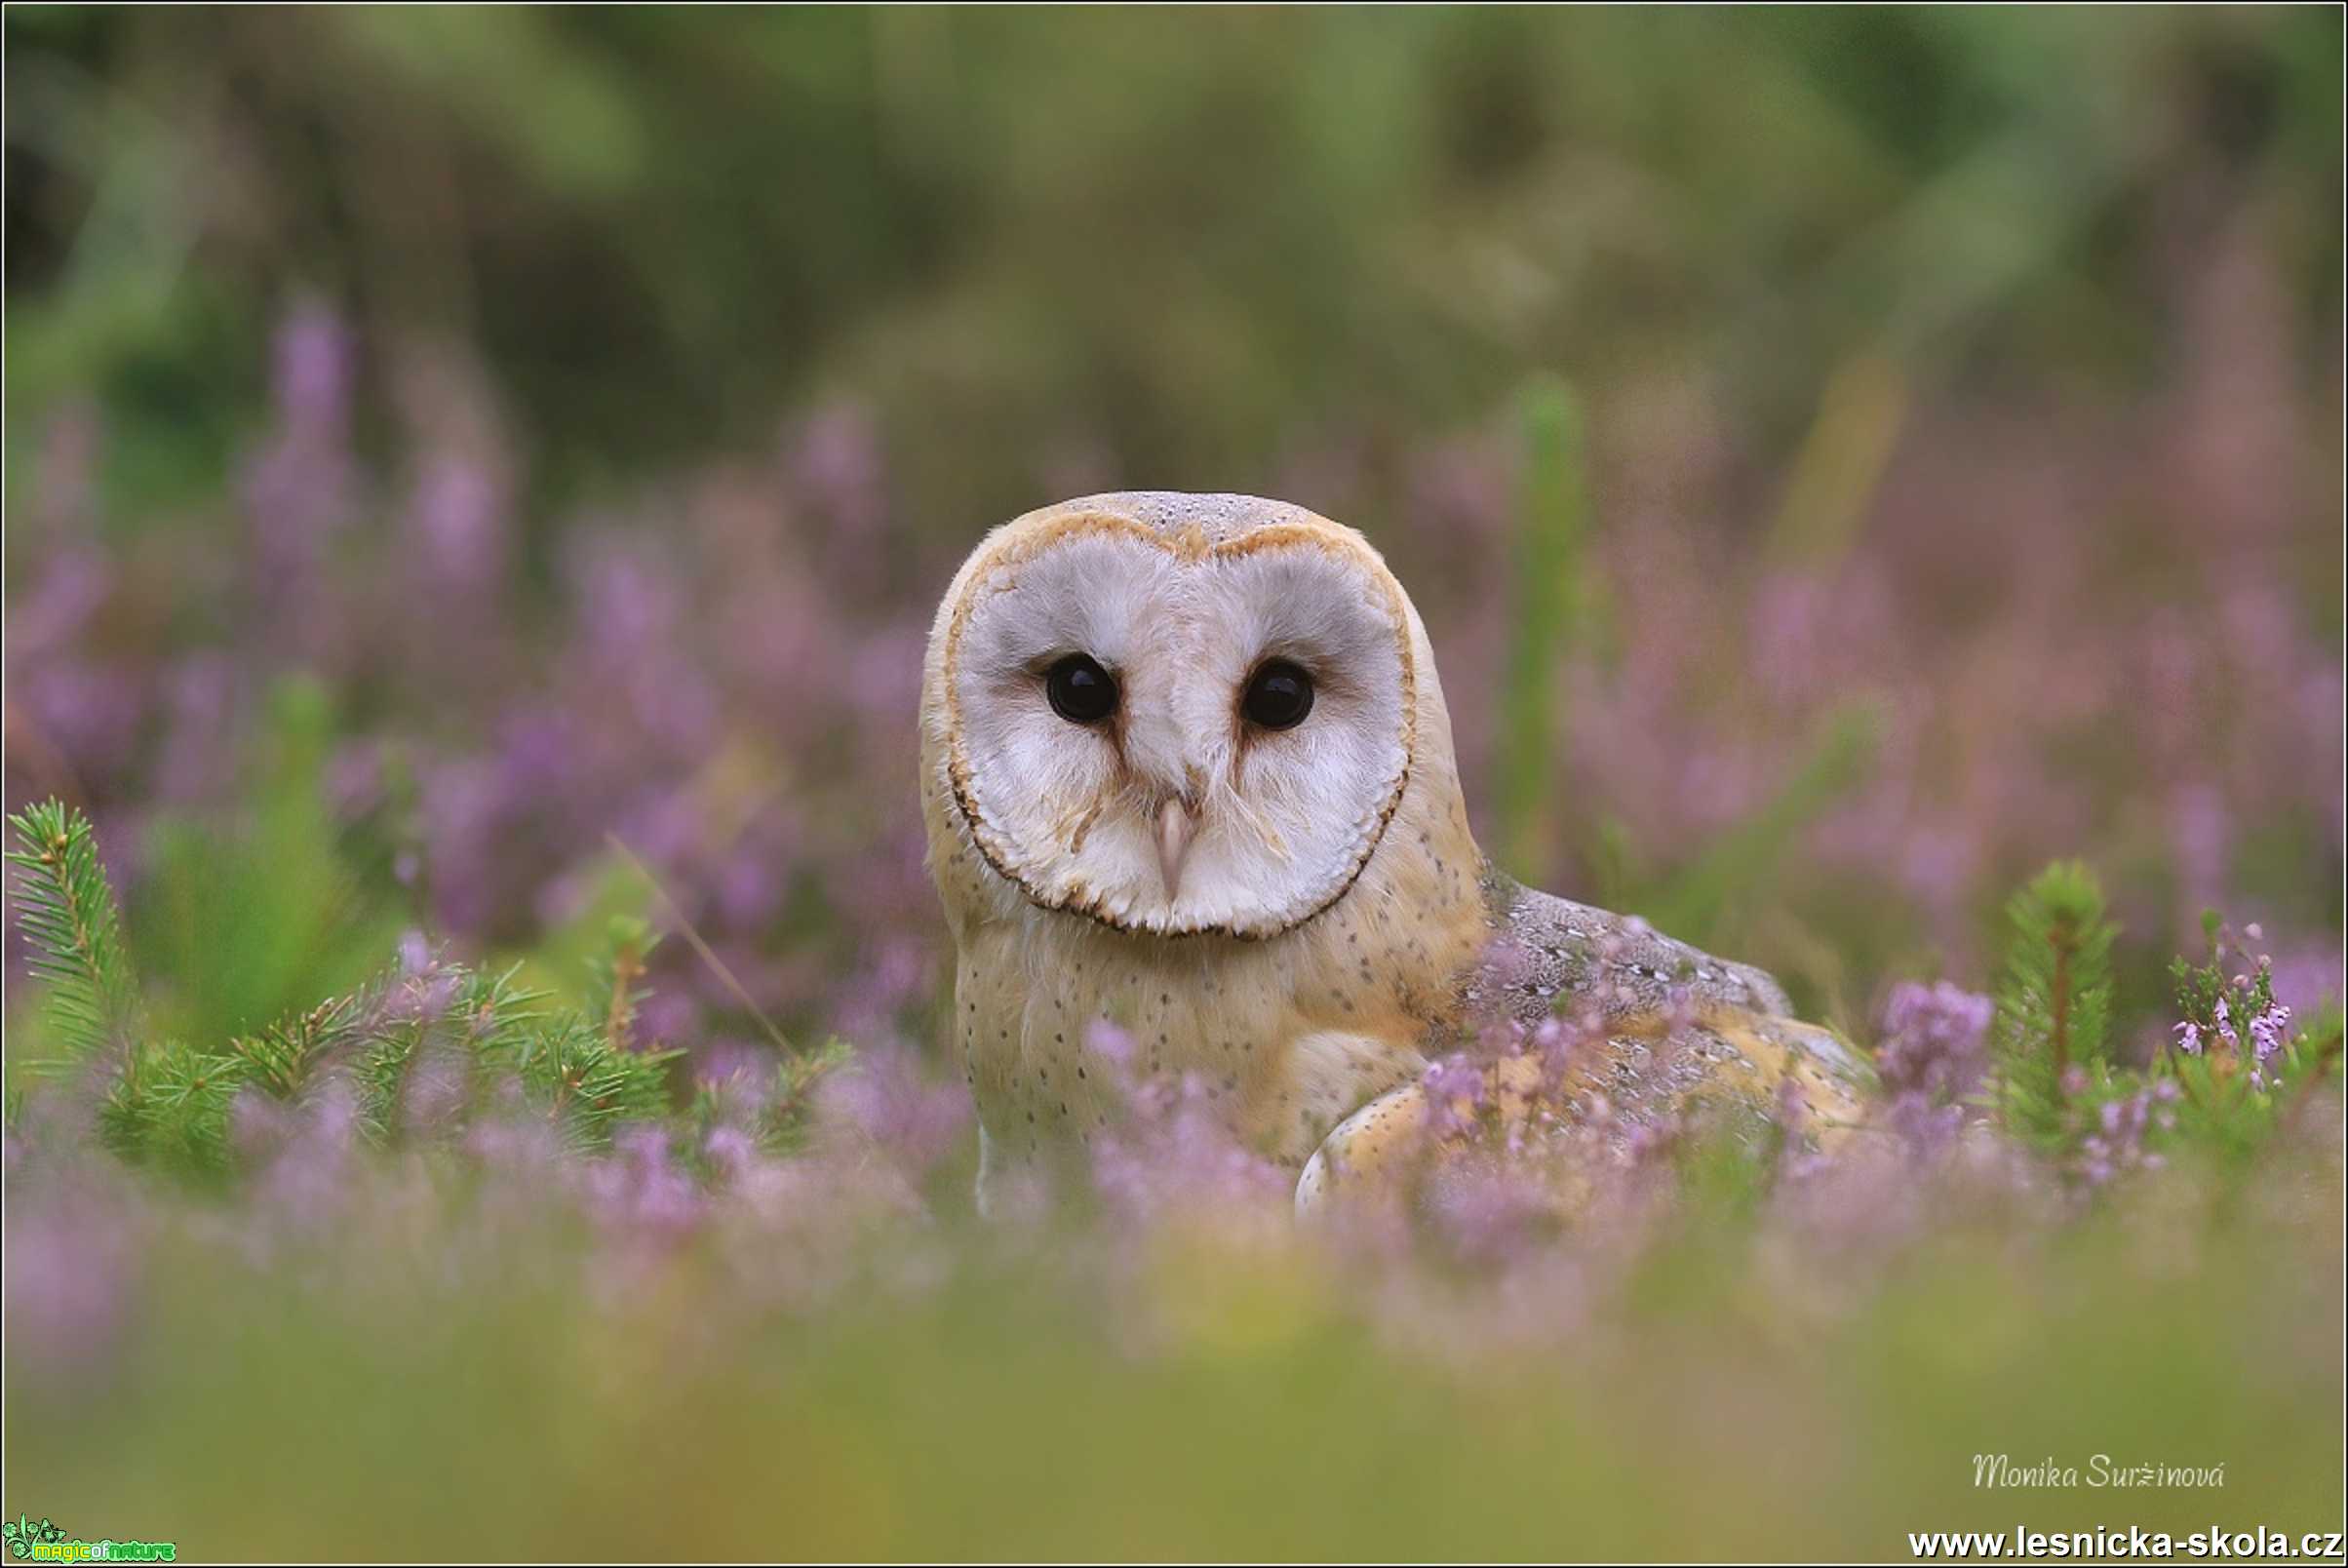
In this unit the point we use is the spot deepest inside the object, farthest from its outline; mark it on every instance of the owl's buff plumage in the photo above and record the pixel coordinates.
(1332, 924)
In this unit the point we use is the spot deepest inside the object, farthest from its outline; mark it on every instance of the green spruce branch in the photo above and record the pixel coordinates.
(2054, 1004)
(171, 1103)
(68, 911)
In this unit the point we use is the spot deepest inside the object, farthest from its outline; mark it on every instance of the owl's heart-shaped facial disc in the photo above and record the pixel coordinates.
(1175, 728)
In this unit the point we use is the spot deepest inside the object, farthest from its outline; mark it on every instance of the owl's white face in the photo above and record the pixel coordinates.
(1170, 731)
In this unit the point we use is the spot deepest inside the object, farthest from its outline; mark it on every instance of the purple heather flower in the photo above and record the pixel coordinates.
(1109, 1040)
(1933, 1046)
(1648, 1144)
(308, 1179)
(1449, 1081)
(839, 459)
(1556, 1038)
(2117, 1143)
(312, 368)
(1791, 1112)
(2203, 833)
(2269, 1033)
(94, 715)
(355, 780)
(459, 514)
(73, 1266)
(2188, 1038)
(1172, 1151)
(669, 1016)
(637, 1191)
(1491, 1210)
(730, 1149)
(299, 487)
(1927, 1129)
(76, 583)
(433, 1097)
(900, 1109)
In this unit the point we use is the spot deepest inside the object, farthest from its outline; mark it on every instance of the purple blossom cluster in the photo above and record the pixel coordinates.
(722, 674)
(1171, 1153)
(2238, 1019)
(1929, 1058)
(1540, 1213)
(2115, 1142)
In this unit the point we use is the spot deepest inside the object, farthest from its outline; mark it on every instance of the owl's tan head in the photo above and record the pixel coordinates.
(1176, 713)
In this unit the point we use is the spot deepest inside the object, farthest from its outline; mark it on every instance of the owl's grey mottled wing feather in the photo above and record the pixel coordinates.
(1552, 956)
(1680, 1030)
(1548, 950)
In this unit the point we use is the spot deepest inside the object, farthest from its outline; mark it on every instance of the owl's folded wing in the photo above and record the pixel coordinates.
(1737, 1072)
(1657, 1035)
(1552, 956)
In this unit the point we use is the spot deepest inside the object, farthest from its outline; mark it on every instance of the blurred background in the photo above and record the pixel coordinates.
(1844, 457)
(1845, 460)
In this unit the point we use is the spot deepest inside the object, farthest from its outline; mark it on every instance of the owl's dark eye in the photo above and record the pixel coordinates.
(1081, 692)
(1278, 696)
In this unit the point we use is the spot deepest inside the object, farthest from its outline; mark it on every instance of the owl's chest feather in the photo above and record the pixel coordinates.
(1284, 1036)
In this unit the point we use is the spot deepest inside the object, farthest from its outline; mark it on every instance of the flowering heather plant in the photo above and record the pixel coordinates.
(2236, 1064)
(1929, 1060)
(446, 1145)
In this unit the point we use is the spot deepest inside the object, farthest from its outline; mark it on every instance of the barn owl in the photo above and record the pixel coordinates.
(1187, 767)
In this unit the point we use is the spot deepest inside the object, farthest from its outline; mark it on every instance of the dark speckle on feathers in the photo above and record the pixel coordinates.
(1549, 951)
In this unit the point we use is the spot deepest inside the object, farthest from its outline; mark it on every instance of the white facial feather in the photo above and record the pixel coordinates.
(1071, 812)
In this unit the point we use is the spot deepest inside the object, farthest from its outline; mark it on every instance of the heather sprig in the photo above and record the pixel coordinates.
(2222, 1081)
(2236, 1060)
(2124, 1127)
(2230, 1021)
(1929, 1060)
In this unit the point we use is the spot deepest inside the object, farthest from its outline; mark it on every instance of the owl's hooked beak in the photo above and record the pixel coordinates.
(1175, 826)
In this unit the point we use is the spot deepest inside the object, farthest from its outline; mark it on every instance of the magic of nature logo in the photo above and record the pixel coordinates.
(44, 1541)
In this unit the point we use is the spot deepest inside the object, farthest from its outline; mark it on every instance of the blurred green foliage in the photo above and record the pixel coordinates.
(355, 1413)
(1191, 238)
(1552, 613)
(247, 921)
